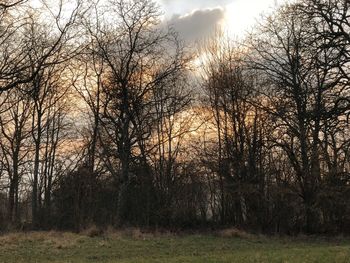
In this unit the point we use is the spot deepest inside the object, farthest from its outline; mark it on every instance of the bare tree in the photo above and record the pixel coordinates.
(332, 24)
(18, 66)
(300, 93)
(135, 63)
(15, 131)
(240, 130)
(9, 4)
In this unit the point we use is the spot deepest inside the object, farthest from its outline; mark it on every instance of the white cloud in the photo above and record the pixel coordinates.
(186, 6)
(197, 25)
(198, 18)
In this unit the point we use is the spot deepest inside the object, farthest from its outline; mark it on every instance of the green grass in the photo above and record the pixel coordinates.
(66, 247)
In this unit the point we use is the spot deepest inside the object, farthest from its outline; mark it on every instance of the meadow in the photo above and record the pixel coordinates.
(135, 246)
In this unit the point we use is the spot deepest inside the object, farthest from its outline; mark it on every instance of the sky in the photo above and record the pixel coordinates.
(198, 19)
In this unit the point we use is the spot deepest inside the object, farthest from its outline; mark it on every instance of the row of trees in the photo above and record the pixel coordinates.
(103, 120)
(34, 108)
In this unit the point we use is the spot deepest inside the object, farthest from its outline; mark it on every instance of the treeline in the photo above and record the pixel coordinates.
(105, 119)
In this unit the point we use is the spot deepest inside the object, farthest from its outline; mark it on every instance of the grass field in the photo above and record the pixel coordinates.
(57, 247)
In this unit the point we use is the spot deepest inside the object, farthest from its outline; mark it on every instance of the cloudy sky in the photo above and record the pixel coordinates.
(197, 19)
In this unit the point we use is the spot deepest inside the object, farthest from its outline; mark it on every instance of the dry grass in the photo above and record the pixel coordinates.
(131, 232)
(92, 231)
(135, 245)
(59, 240)
(234, 232)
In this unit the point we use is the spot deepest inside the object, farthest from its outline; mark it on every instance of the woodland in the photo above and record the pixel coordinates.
(108, 118)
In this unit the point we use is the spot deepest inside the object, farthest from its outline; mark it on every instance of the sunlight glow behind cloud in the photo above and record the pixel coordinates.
(240, 15)
(196, 19)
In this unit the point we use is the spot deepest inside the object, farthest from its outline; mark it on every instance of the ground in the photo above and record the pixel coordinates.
(136, 247)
